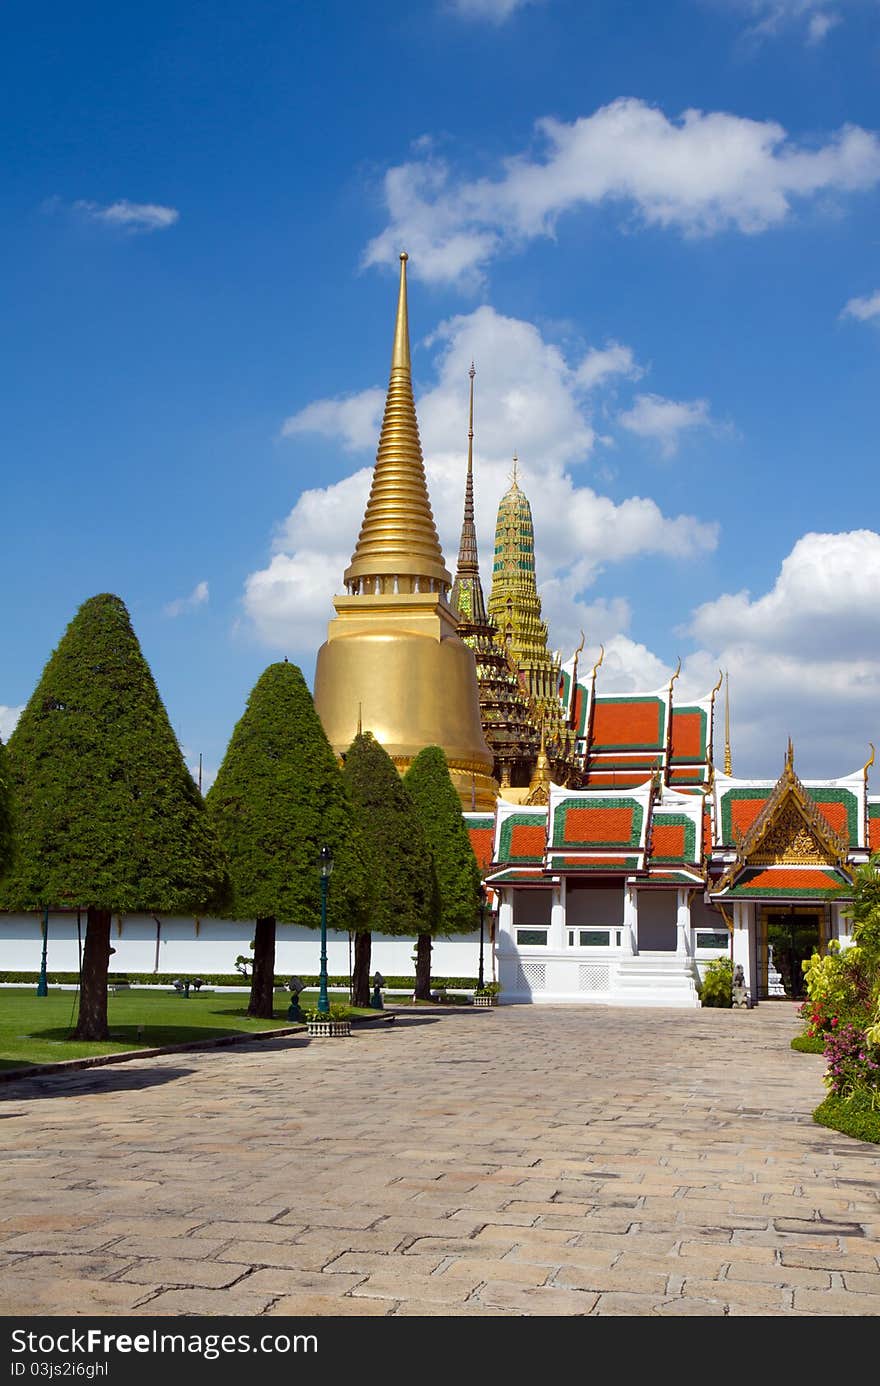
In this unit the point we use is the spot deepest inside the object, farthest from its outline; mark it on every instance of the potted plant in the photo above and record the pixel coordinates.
(333, 1025)
(487, 995)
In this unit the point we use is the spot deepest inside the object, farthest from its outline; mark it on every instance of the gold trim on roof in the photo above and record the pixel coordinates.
(791, 829)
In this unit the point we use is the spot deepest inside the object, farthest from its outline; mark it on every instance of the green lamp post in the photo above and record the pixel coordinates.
(325, 862)
(43, 984)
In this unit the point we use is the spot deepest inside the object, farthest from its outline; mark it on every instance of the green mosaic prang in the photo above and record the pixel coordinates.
(819, 796)
(562, 810)
(518, 820)
(704, 733)
(678, 820)
(658, 745)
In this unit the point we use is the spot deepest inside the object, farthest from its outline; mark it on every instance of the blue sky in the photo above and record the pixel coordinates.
(653, 226)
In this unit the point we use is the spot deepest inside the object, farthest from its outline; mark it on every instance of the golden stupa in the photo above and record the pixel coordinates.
(393, 662)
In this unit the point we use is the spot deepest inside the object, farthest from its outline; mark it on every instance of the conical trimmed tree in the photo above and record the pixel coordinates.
(108, 818)
(396, 851)
(455, 866)
(278, 799)
(6, 838)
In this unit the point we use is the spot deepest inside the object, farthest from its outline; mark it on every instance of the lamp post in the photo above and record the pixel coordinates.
(325, 861)
(482, 912)
(42, 984)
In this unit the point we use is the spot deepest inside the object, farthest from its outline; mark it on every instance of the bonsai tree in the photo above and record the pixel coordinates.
(6, 839)
(457, 900)
(396, 852)
(108, 816)
(277, 800)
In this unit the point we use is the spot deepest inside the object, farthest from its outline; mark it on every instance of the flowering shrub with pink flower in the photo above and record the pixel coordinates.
(853, 1063)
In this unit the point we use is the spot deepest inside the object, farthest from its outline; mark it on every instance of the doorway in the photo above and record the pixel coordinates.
(787, 939)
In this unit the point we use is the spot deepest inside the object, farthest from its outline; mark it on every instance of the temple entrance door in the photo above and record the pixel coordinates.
(789, 938)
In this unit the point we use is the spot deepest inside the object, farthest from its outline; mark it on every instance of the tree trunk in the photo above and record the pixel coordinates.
(92, 1019)
(423, 968)
(363, 942)
(261, 1004)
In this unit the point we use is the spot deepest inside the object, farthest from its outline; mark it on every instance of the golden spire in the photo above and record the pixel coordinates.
(869, 762)
(398, 549)
(676, 674)
(728, 763)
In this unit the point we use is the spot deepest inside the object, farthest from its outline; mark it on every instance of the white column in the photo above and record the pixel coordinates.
(556, 937)
(742, 952)
(683, 925)
(504, 941)
(630, 920)
(841, 926)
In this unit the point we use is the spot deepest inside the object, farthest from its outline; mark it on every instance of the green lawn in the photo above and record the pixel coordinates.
(34, 1029)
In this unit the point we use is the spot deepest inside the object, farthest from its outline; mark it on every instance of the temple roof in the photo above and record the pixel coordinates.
(788, 883)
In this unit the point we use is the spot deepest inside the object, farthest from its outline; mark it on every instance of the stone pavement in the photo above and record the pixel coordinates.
(530, 1160)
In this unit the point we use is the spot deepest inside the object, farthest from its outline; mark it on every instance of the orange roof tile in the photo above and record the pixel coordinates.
(482, 842)
(527, 841)
(597, 825)
(667, 840)
(626, 724)
(687, 735)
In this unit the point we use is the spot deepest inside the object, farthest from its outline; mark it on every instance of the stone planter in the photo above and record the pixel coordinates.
(485, 1001)
(329, 1029)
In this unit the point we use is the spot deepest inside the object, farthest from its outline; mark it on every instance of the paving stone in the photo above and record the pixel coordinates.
(133, 1194)
(178, 1272)
(545, 1300)
(836, 1302)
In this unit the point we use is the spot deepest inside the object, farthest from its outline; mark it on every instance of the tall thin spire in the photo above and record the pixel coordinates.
(467, 591)
(398, 549)
(728, 763)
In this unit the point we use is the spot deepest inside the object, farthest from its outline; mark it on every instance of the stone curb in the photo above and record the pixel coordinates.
(191, 1046)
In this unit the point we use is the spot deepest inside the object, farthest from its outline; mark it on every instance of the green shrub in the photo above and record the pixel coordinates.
(224, 979)
(855, 1116)
(717, 983)
(808, 1044)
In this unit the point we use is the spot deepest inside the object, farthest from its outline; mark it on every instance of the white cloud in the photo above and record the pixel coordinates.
(820, 26)
(770, 18)
(804, 658)
(701, 173)
(130, 216)
(496, 11)
(601, 364)
(529, 398)
(197, 597)
(665, 420)
(863, 308)
(8, 720)
(353, 418)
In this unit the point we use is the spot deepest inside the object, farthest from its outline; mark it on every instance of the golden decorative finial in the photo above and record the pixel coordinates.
(400, 360)
(869, 762)
(574, 678)
(398, 538)
(789, 754)
(728, 763)
(598, 663)
(711, 747)
(513, 477)
(717, 686)
(360, 729)
(676, 674)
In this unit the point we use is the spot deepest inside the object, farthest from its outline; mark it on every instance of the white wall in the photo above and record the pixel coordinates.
(216, 945)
